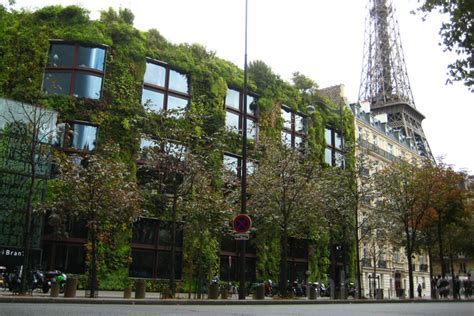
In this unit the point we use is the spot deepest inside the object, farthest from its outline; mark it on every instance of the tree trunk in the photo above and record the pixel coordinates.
(441, 250)
(332, 281)
(358, 274)
(283, 285)
(28, 218)
(93, 275)
(173, 246)
(432, 286)
(410, 273)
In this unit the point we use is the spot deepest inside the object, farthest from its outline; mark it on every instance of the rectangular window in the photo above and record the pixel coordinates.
(74, 69)
(233, 164)
(151, 255)
(234, 113)
(294, 130)
(164, 89)
(333, 154)
(77, 136)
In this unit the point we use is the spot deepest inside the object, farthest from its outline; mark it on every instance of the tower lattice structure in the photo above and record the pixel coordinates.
(384, 80)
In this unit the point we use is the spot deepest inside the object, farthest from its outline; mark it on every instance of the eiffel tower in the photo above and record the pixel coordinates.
(384, 79)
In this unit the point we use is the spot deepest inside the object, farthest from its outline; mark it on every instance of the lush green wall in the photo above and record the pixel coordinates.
(23, 54)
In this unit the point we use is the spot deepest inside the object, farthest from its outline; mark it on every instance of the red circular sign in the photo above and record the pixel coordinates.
(242, 223)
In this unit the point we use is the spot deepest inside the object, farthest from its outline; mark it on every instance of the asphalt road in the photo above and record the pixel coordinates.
(432, 309)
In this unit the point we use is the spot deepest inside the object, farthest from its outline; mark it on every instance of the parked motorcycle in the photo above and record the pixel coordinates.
(54, 276)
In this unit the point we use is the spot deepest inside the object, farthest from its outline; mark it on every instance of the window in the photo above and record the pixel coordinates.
(234, 113)
(77, 136)
(233, 165)
(293, 133)
(151, 249)
(75, 69)
(333, 154)
(164, 88)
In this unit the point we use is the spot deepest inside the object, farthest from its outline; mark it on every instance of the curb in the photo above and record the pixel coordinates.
(118, 301)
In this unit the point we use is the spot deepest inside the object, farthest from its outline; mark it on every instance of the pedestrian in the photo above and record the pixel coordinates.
(456, 287)
(420, 289)
(468, 286)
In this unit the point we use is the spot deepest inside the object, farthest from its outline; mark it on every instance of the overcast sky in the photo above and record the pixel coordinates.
(321, 39)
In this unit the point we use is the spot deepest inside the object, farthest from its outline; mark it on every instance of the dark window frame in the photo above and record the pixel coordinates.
(292, 130)
(165, 90)
(253, 116)
(75, 69)
(333, 148)
(67, 138)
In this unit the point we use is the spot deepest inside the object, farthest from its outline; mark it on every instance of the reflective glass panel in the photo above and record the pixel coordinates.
(328, 156)
(251, 108)
(142, 264)
(286, 115)
(232, 121)
(178, 82)
(147, 143)
(155, 74)
(339, 159)
(57, 83)
(299, 142)
(153, 100)
(87, 86)
(175, 150)
(84, 137)
(338, 140)
(175, 103)
(91, 57)
(299, 123)
(327, 136)
(251, 167)
(144, 231)
(286, 138)
(61, 55)
(231, 164)
(232, 99)
(252, 128)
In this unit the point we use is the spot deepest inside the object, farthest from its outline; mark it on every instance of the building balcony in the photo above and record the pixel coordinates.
(376, 149)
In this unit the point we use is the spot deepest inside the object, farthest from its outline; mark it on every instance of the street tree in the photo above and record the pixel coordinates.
(174, 154)
(404, 203)
(457, 35)
(284, 194)
(100, 191)
(27, 133)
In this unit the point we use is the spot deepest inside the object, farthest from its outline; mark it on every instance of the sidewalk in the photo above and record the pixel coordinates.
(153, 298)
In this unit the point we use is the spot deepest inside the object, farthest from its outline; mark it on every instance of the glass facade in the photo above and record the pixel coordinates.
(84, 137)
(234, 113)
(164, 89)
(333, 154)
(74, 69)
(151, 249)
(293, 133)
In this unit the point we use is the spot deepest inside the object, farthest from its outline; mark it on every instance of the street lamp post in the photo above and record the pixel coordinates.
(243, 200)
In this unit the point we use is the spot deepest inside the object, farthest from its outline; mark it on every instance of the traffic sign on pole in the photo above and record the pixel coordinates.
(242, 223)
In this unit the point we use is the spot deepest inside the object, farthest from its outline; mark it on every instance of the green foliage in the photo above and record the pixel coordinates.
(457, 35)
(122, 119)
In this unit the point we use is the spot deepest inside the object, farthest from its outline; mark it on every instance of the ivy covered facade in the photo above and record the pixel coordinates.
(109, 83)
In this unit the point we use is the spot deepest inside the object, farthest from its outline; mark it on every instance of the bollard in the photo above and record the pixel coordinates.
(312, 292)
(260, 292)
(70, 288)
(140, 289)
(224, 293)
(127, 292)
(54, 289)
(214, 291)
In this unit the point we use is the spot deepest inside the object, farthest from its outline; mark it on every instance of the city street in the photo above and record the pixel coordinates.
(432, 309)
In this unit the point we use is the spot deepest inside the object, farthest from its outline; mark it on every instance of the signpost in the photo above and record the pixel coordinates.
(242, 223)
